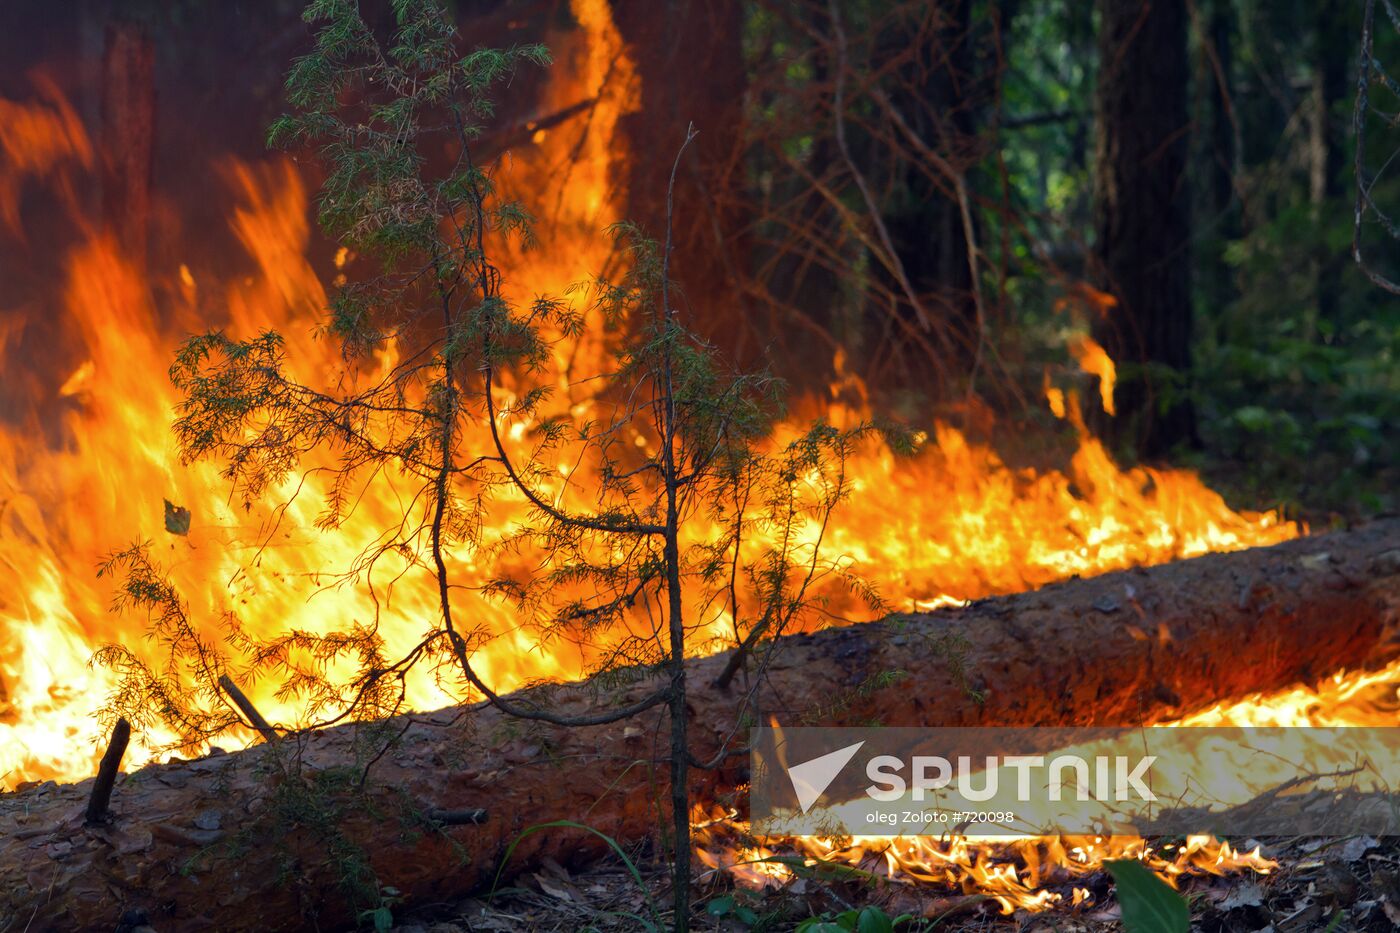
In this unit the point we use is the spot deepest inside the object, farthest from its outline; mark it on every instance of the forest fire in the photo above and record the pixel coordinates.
(971, 525)
(951, 523)
(978, 527)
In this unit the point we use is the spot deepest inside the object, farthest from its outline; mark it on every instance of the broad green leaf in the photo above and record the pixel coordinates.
(874, 920)
(720, 906)
(1150, 905)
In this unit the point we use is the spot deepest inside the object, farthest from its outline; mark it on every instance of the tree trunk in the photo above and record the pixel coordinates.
(128, 135)
(1143, 226)
(215, 844)
(690, 60)
(1334, 40)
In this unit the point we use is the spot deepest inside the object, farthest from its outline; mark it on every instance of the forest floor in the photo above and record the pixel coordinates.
(1335, 884)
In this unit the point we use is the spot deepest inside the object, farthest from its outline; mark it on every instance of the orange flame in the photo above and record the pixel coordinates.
(1014, 874)
(1093, 360)
(969, 524)
(1032, 874)
(40, 139)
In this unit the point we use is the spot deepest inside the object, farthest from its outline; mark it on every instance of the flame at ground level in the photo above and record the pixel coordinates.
(1030, 874)
(1039, 873)
(87, 460)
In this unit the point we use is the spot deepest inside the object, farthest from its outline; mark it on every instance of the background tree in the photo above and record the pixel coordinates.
(690, 65)
(1142, 227)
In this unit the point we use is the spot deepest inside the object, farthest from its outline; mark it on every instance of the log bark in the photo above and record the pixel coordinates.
(210, 845)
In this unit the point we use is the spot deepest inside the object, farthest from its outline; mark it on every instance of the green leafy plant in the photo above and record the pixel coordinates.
(869, 919)
(729, 907)
(1150, 905)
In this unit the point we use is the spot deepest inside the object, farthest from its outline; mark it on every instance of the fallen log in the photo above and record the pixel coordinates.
(218, 844)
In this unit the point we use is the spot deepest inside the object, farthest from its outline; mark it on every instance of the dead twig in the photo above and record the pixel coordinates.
(473, 817)
(107, 772)
(241, 700)
(838, 112)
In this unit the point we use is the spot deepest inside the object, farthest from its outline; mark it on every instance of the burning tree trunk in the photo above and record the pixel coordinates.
(219, 844)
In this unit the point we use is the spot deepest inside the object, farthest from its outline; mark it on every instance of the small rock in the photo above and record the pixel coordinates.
(209, 819)
(129, 843)
(1106, 603)
(132, 920)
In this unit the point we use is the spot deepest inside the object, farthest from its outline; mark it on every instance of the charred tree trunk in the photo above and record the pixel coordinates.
(690, 60)
(218, 844)
(128, 134)
(1143, 226)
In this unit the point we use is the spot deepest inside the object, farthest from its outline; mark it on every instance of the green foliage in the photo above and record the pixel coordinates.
(1150, 905)
(1047, 102)
(729, 907)
(1302, 388)
(863, 920)
(381, 918)
(182, 694)
(375, 113)
(1294, 362)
